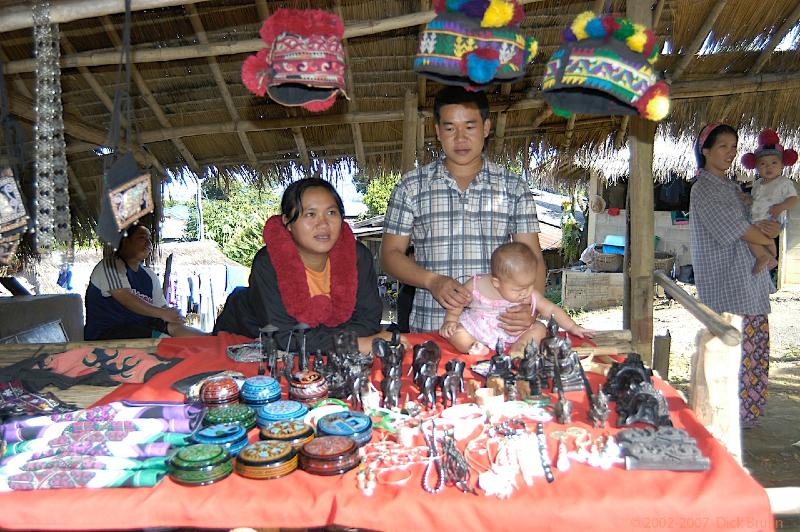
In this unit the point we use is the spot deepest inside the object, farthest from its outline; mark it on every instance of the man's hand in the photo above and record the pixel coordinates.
(171, 315)
(516, 319)
(769, 228)
(448, 328)
(449, 293)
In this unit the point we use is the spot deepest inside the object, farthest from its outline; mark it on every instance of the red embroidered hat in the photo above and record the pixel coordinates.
(769, 144)
(303, 63)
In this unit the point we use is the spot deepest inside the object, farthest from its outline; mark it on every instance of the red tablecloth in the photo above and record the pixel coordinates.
(582, 499)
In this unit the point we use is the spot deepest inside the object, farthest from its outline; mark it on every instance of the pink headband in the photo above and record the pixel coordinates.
(705, 132)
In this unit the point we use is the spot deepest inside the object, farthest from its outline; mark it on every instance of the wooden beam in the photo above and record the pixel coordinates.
(422, 81)
(262, 9)
(150, 99)
(352, 103)
(639, 254)
(200, 33)
(19, 17)
(734, 85)
(150, 55)
(775, 40)
(699, 39)
(619, 138)
(569, 131)
(500, 125)
(409, 132)
(657, 12)
(297, 133)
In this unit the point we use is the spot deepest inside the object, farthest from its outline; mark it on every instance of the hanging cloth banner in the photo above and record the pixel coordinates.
(50, 183)
(127, 191)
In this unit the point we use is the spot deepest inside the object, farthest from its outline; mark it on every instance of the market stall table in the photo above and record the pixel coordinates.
(585, 498)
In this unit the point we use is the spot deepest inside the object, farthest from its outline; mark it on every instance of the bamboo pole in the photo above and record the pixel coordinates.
(710, 319)
(19, 17)
(639, 295)
(409, 132)
(698, 41)
(785, 28)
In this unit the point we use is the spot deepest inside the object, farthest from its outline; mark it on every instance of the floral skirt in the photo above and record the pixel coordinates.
(754, 370)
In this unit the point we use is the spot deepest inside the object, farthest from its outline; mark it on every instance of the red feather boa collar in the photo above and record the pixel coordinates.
(293, 284)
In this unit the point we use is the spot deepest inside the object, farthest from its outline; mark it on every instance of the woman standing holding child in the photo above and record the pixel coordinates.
(473, 328)
(724, 268)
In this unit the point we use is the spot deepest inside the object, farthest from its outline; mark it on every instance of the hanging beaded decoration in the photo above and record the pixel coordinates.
(50, 183)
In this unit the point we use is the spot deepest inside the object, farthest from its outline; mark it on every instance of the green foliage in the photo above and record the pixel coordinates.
(570, 234)
(378, 191)
(235, 220)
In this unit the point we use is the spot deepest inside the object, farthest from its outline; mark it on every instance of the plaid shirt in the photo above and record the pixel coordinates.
(722, 261)
(455, 232)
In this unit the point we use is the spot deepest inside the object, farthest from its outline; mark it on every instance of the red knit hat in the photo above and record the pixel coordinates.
(769, 144)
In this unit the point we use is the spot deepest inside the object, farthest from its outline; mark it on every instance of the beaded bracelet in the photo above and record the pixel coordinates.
(543, 454)
(331, 401)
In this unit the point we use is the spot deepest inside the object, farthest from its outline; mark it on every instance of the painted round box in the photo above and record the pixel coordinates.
(352, 424)
(308, 386)
(260, 390)
(329, 455)
(219, 390)
(291, 431)
(281, 411)
(241, 414)
(199, 464)
(232, 436)
(266, 459)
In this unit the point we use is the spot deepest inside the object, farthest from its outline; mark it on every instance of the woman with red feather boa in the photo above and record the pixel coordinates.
(311, 271)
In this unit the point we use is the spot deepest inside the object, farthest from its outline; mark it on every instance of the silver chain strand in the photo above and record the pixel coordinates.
(50, 183)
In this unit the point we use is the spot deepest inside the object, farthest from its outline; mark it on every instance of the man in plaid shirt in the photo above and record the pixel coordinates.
(456, 211)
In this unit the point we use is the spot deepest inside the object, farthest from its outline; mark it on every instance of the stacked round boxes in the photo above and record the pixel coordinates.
(266, 460)
(231, 436)
(280, 411)
(329, 455)
(241, 414)
(308, 387)
(260, 390)
(352, 424)
(218, 391)
(293, 431)
(199, 465)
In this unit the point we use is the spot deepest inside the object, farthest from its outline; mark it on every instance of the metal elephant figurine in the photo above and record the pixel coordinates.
(452, 382)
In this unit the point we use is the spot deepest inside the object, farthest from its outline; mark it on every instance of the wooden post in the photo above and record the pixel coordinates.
(409, 131)
(640, 217)
(661, 349)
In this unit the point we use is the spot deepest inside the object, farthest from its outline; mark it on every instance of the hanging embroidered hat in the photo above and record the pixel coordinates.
(769, 144)
(303, 63)
(605, 67)
(472, 43)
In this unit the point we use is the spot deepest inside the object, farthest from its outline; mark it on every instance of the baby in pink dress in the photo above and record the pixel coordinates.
(473, 328)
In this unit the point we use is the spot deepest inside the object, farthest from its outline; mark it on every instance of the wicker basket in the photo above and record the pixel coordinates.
(664, 262)
(606, 262)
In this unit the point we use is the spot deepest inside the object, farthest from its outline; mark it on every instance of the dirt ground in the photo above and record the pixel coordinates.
(769, 453)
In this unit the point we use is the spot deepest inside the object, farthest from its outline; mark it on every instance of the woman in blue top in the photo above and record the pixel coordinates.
(723, 265)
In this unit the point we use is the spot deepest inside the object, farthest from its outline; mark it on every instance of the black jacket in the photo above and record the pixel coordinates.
(249, 309)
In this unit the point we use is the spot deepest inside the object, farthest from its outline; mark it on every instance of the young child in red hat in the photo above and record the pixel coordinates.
(773, 194)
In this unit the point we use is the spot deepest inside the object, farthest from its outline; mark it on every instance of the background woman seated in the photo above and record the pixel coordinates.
(311, 271)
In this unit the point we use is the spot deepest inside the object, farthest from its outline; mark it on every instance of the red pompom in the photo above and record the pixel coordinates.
(789, 157)
(749, 161)
(610, 24)
(768, 136)
(303, 22)
(255, 73)
(649, 43)
(519, 14)
(439, 6)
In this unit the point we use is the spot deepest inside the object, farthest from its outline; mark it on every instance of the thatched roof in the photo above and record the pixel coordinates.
(193, 113)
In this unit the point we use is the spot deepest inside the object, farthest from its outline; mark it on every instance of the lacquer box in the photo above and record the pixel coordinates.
(231, 436)
(260, 390)
(266, 460)
(329, 455)
(308, 387)
(241, 414)
(220, 390)
(281, 411)
(292, 431)
(200, 464)
(349, 423)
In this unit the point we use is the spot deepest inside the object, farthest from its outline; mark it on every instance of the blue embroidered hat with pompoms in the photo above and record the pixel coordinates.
(472, 43)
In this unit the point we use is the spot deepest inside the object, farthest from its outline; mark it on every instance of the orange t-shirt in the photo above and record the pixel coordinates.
(319, 283)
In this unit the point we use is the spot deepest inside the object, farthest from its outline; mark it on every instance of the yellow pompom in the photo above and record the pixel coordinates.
(533, 48)
(498, 14)
(578, 25)
(657, 108)
(637, 41)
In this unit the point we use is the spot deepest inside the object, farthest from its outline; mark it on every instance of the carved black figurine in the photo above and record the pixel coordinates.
(623, 374)
(269, 350)
(642, 403)
(452, 382)
(301, 329)
(531, 368)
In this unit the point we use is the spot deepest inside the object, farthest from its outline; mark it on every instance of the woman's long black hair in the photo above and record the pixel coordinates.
(709, 142)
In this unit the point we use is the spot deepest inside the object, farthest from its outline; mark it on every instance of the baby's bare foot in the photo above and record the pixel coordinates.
(478, 349)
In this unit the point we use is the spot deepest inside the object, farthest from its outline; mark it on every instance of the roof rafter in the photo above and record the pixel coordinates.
(699, 39)
(775, 40)
(200, 33)
(352, 103)
(151, 101)
(500, 127)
